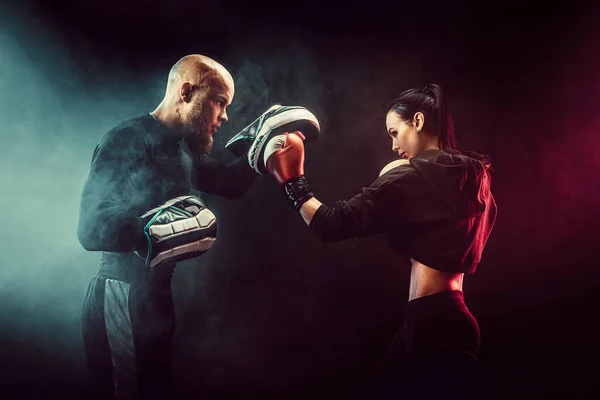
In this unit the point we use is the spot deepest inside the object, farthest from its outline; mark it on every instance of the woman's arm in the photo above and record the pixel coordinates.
(362, 215)
(309, 209)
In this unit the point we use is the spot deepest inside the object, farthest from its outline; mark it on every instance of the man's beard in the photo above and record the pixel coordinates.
(197, 131)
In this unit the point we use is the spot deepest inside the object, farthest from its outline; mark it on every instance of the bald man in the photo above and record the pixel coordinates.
(128, 315)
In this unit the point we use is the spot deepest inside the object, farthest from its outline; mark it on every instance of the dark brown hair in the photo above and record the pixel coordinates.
(430, 101)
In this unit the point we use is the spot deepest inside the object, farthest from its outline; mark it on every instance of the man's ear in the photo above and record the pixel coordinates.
(185, 93)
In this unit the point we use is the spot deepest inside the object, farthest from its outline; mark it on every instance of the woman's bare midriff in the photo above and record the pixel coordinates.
(425, 281)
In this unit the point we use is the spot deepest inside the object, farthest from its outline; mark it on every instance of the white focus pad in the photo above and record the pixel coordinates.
(202, 220)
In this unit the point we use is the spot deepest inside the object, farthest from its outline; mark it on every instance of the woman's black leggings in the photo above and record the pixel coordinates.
(433, 354)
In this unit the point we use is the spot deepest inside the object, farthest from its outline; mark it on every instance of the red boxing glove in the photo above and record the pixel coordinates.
(284, 156)
(284, 159)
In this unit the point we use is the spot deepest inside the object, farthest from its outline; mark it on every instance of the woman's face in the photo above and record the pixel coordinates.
(407, 139)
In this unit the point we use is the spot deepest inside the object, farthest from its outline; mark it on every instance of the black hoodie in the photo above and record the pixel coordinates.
(437, 209)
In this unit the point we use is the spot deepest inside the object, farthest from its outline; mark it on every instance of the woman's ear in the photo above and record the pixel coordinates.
(419, 121)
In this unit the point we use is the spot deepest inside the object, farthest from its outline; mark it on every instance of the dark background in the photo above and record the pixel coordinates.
(270, 310)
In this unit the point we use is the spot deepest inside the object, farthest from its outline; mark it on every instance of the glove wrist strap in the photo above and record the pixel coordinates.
(297, 191)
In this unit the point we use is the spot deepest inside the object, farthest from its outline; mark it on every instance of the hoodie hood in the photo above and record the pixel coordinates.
(461, 180)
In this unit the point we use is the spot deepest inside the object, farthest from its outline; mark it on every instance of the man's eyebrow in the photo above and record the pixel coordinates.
(222, 98)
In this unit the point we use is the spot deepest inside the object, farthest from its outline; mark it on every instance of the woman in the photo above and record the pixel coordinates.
(435, 206)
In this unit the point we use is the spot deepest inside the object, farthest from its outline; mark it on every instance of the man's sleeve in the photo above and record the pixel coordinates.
(106, 222)
(227, 180)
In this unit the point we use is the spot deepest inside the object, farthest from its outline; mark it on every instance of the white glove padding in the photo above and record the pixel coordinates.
(276, 143)
(275, 121)
(392, 165)
(179, 229)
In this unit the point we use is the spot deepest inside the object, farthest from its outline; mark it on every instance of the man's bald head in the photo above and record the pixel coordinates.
(199, 70)
(199, 90)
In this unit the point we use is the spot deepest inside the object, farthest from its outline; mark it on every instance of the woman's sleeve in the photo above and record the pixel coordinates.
(367, 213)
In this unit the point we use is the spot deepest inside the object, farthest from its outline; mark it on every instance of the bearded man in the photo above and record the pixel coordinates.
(136, 209)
